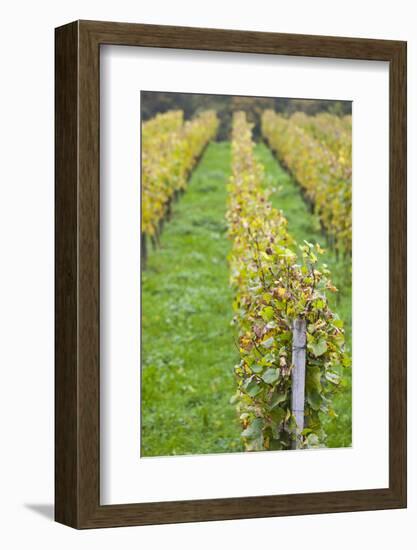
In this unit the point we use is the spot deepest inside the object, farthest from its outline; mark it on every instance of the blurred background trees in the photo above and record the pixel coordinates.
(159, 102)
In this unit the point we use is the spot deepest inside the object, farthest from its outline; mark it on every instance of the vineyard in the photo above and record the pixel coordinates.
(170, 150)
(246, 289)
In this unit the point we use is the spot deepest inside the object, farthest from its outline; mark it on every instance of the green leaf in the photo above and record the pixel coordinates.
(268, 343)
(254, 429)
(276, 399)
(332, 377)
(318, 348)
(318, 304)
(253, 388)
(314, 399)
(347, 361)
(256, 444)
(257, 368)
(266, 297)
(267, 313)
(313, 379)
(285, 336)
(270, 375)
(277, 415)
(312, 441)
(339, 340)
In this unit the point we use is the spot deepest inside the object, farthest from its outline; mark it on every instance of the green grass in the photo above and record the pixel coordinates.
(187, 340)
(302, 225)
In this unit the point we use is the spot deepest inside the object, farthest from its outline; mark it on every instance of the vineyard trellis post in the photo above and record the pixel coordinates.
(298, 375)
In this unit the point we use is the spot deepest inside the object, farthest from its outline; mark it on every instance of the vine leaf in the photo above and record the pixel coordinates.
(276, 399)
(270, 375)
(253, 388)
(318, 348)
(254, 429)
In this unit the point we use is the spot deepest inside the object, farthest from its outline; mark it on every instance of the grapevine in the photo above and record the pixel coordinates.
(276, 282)
(323, 171)
(170, 149)
(332, 132)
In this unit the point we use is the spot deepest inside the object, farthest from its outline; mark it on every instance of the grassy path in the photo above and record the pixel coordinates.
(302, 225)
(187, 340)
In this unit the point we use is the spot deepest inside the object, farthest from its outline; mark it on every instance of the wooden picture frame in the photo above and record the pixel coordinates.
(77, 382)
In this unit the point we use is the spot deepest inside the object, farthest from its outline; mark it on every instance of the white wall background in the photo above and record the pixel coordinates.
(26, 274)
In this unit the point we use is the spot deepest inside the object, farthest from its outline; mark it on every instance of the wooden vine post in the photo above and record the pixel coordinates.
(298, 375)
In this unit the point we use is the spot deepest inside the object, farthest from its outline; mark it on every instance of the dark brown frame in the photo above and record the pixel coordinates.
(77, 371)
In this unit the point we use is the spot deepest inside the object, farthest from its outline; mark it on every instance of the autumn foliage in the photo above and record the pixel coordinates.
(318, 152)
(170, 149)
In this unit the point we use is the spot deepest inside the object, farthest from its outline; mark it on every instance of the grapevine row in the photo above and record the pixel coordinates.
(324, 175)
(333, 132)
(273, 288)
(170, 149)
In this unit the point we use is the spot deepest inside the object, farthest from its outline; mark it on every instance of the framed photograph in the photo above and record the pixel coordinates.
(230, 274)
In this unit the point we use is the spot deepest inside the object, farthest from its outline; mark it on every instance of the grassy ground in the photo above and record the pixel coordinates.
(187, 367)
(302, 225)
